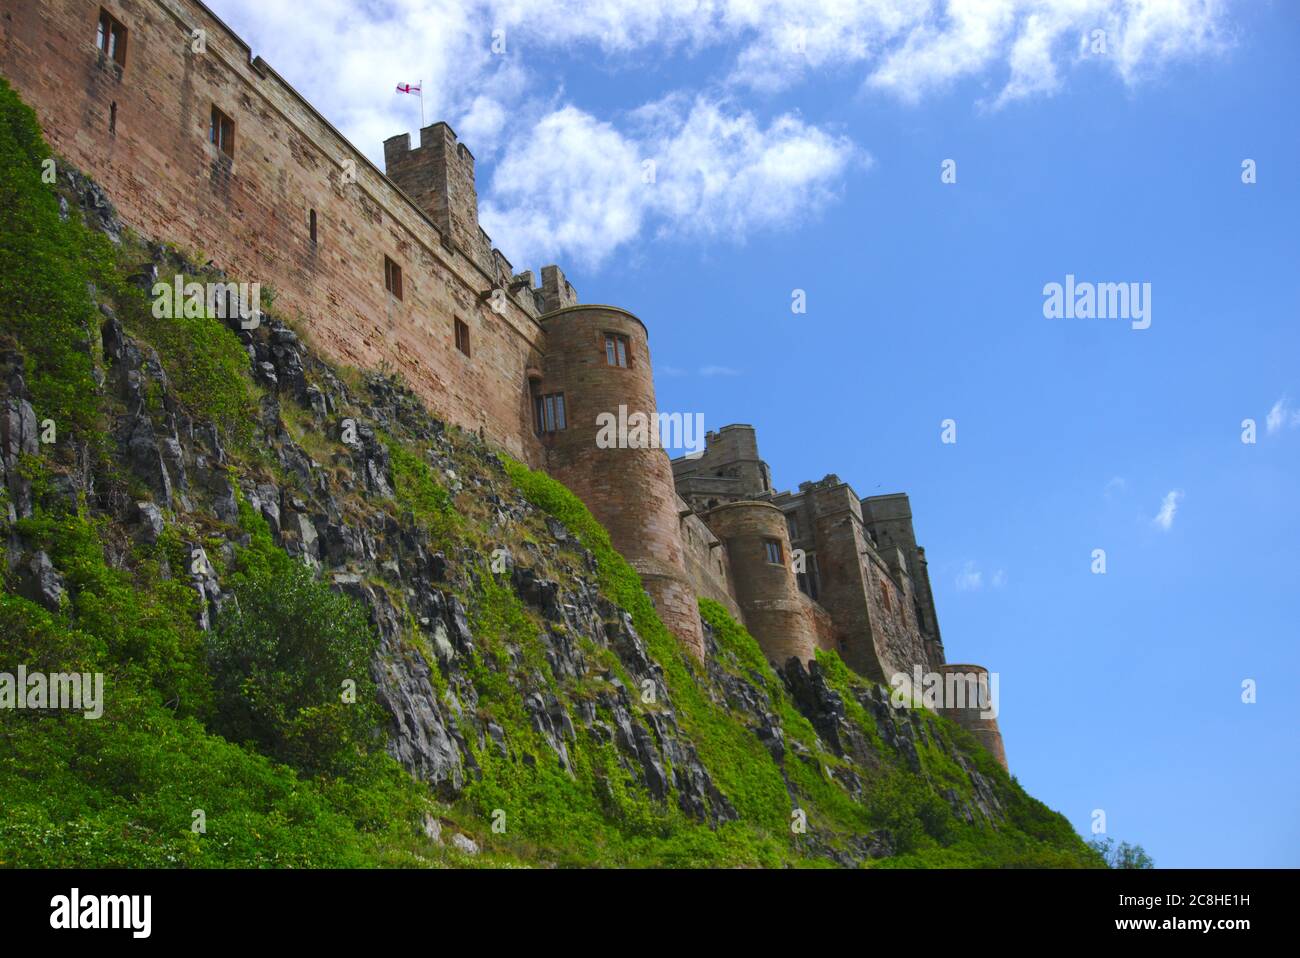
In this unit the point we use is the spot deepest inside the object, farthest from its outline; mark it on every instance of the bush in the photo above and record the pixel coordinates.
(284, 655)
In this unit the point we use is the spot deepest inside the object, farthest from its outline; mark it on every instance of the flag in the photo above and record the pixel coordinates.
(409, 88)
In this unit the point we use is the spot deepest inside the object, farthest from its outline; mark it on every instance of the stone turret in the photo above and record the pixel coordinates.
(758, 545)
(630, 490)
(974, 705)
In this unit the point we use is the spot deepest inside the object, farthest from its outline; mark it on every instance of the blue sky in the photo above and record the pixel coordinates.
(800, 148)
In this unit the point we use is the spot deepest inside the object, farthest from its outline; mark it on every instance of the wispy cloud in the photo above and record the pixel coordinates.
(971, 578)
(718, 371)
(1164, 519)
(1117, 484)
(1281, 416)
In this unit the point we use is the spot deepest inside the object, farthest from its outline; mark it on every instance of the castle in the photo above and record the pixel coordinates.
(198, 141)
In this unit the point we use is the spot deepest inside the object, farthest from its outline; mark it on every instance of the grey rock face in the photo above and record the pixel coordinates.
(465, 844)
(39, 581)
(18, 437)
(151, 523)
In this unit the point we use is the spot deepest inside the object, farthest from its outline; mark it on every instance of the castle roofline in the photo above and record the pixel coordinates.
(744, 502)
(588, 306)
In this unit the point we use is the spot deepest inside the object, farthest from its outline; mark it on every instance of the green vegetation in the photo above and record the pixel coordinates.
(419, 492)
(289, 660)
(45, 262)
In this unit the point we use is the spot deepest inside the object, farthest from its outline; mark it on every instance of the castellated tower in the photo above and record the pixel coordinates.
(439, 176)
(598, 359)
(759, 546)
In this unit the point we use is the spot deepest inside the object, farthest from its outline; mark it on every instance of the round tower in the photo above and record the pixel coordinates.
(758, 546)
(972, 706)
(594, 409)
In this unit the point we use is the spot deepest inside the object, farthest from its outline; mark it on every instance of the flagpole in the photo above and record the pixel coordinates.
(422, 104)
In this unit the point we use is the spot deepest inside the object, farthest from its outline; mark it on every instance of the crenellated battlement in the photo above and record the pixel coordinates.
(439, 176)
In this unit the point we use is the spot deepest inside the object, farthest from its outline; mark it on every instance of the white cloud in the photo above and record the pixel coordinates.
(718, 371)
(1281, 416)
(970, 579)
(723, 169)
(579, 187)
(1116, 484)
(1164, 519)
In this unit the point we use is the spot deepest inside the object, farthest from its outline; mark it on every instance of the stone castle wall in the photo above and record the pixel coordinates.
(251, 214)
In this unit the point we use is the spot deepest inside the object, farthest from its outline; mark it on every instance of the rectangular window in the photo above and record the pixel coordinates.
(111, 38)
(810, 580)
(616, 350)
(221, 132)
(793, 522)
(112, 118)
(311, 226)
(392, 278)
(462, 337)
(550, 413)
(884, 596)
(772, 548)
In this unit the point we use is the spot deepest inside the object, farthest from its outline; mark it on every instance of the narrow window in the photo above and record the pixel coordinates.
(884, 596)
(772, 548)
(793, 522)
(221, 132)
(616, 350)
(550, 413)
(111, 38)
(311, 225)
(392, 278)
(462, 337)
(809, 580)
(112, 118)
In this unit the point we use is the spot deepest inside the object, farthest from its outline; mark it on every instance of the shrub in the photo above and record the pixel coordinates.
(284, 652)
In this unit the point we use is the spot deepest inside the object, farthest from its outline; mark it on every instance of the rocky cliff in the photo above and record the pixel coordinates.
(166, 482)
